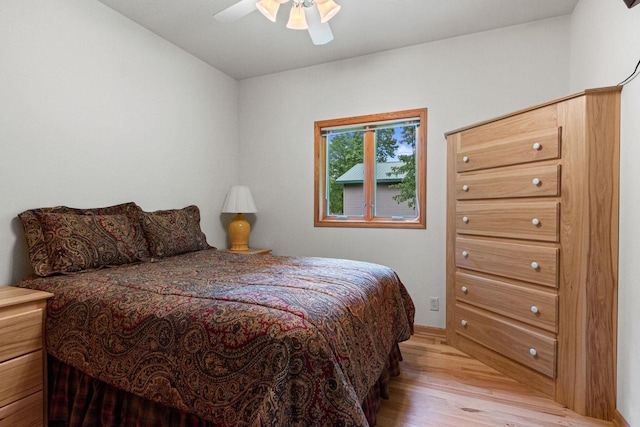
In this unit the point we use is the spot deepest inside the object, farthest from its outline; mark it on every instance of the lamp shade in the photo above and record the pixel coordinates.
(269, 8)
(297, 19)
(328, 10)
(239, 200)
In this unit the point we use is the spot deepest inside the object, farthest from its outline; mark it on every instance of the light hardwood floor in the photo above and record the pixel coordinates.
(441, 386)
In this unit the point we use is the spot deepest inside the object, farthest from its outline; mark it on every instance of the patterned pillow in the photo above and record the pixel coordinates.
(79, 242)
(173, 232)
(35, 238)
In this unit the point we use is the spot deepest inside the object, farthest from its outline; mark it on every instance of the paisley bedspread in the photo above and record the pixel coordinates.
(237, 340)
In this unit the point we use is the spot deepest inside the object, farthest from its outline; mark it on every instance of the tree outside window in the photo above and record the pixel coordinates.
(371, 170)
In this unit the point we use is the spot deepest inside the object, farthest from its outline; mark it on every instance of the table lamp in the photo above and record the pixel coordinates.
(239, 201)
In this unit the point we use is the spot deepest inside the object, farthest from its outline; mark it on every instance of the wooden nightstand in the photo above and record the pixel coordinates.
(251, 251)
(23, 359)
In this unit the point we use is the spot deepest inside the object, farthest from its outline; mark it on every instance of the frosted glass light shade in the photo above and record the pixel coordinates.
(239, 200)
(269, 8)
(328, 9)
(297, 19)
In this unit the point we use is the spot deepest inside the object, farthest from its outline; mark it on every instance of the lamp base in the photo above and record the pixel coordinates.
(239, 230)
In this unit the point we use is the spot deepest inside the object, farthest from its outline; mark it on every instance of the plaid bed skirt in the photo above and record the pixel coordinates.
(78, 400)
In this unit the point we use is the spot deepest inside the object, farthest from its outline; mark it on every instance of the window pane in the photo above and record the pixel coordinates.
(395, 187)
(370, 171)
(345, 174)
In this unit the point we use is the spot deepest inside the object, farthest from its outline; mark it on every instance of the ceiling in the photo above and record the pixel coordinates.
(254, 46)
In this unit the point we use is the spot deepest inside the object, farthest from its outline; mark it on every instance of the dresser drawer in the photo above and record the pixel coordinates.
(525, 346)
(531, 263)
(513, 150)
(530, 121)
(20, 333)
(26, 412)
(21, 377)
(537, 181)
(532, 221)
(535, 307)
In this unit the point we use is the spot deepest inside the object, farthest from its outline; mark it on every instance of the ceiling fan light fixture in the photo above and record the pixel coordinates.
(320, 33)
(328, 9)
(269, 8)
(297, 19)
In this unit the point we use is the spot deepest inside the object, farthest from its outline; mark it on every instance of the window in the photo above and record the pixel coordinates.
(370, 171)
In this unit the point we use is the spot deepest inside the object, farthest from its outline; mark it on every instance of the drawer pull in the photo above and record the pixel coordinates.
(535, 265)
(464, 289)
(465, 159)
(536, 181)
(537, 146)
(533, 352)
(465, 254)
(465, 188)
(464, 323)
(465, 219)
(534, 309)
(535, 221)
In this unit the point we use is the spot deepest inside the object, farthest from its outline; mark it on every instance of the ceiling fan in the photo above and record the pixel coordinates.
(311, 15)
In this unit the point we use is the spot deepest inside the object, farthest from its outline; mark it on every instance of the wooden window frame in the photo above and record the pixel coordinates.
(321, 219)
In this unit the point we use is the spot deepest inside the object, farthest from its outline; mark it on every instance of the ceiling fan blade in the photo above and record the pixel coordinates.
(236, 11)
(320, 33)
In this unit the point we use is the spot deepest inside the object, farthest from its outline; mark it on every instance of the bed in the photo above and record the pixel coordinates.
(202, 337)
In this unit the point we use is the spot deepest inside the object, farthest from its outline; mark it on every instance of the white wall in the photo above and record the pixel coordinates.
(95, 110)
(605, 47)
(460, 81)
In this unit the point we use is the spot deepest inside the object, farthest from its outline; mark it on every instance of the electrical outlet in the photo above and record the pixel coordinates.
(435, 303)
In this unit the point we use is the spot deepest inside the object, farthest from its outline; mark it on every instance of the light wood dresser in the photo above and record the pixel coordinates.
(22, 357)
(532, 246)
